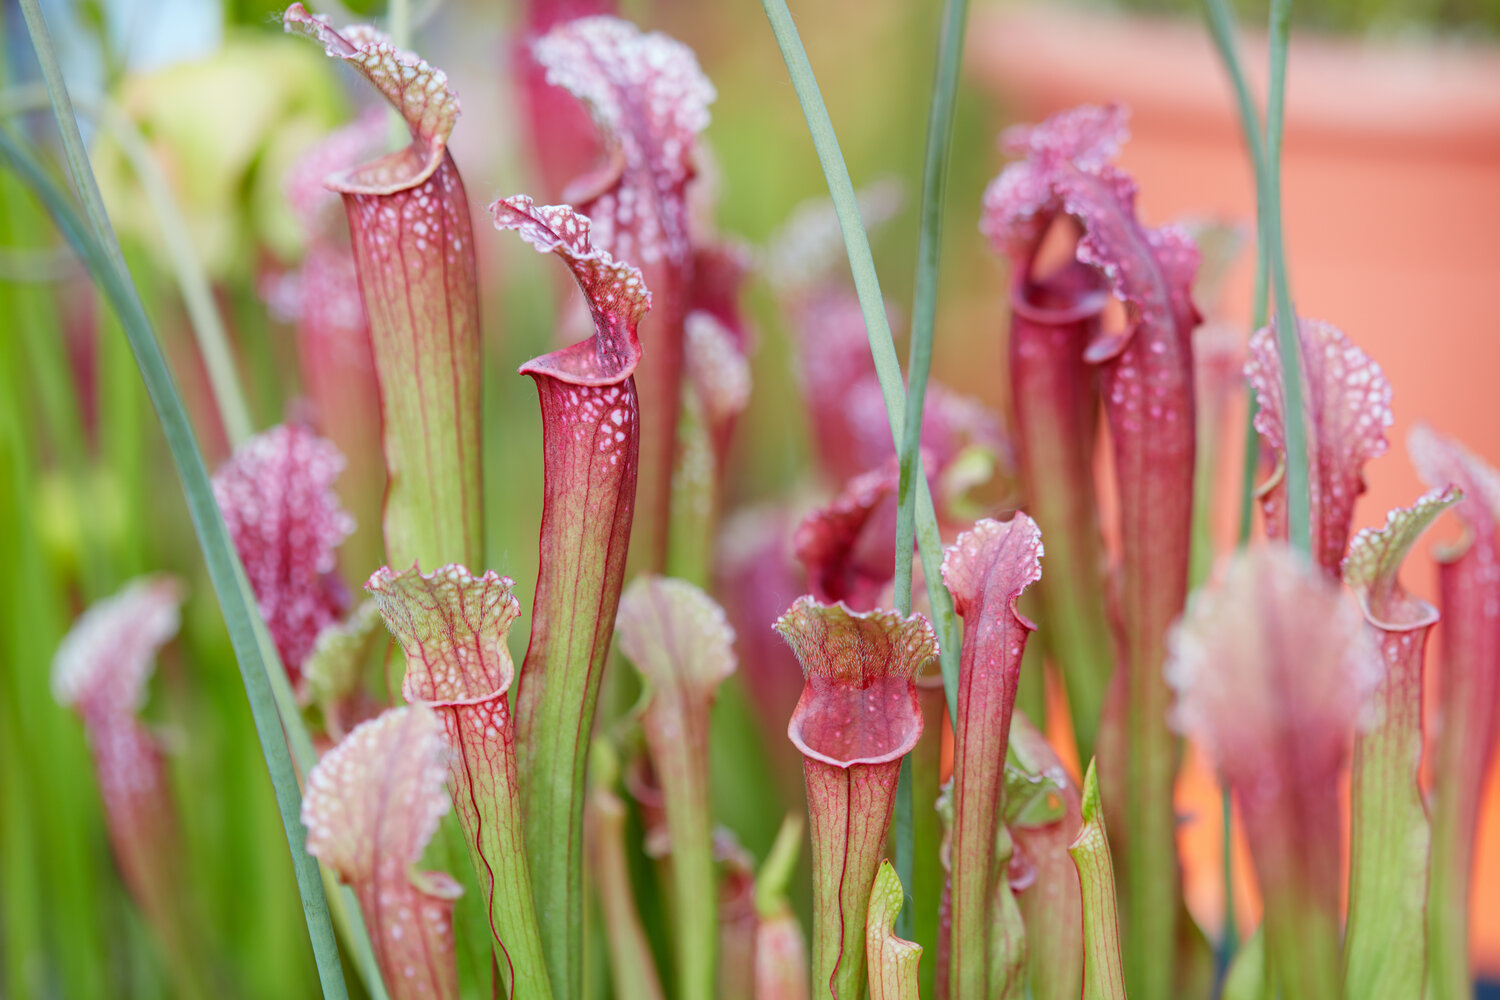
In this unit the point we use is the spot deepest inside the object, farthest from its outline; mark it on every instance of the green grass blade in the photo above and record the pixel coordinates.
(903, 851)
(1265, 157)
(72, 140)
(877, 327)
(1287, 341)
(223, 563)
(343, 904)
(213, 345)
(1221, 28)
(924, 296)
(918, 367)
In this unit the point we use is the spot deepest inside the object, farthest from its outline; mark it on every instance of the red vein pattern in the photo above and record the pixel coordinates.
(650, 101)
(987, 569)
(893, 961)
(1103, 976)
(452, 626)
(414, 254)
(372, 804)
(590, 450)
(858, 716)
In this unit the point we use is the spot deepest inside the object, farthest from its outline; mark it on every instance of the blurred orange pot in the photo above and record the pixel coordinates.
(1391, 202)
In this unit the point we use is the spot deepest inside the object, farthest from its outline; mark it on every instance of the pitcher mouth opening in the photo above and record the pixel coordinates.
(842, 725)
(1054, 287)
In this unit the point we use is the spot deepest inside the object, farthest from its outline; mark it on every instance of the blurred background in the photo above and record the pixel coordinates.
(1392, 209)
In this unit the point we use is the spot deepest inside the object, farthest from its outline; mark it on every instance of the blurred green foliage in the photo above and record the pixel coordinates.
(225, 130)
(86, 482)
(89, 500)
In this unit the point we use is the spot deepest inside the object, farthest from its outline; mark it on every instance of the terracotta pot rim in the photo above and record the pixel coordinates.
(1405, 98)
